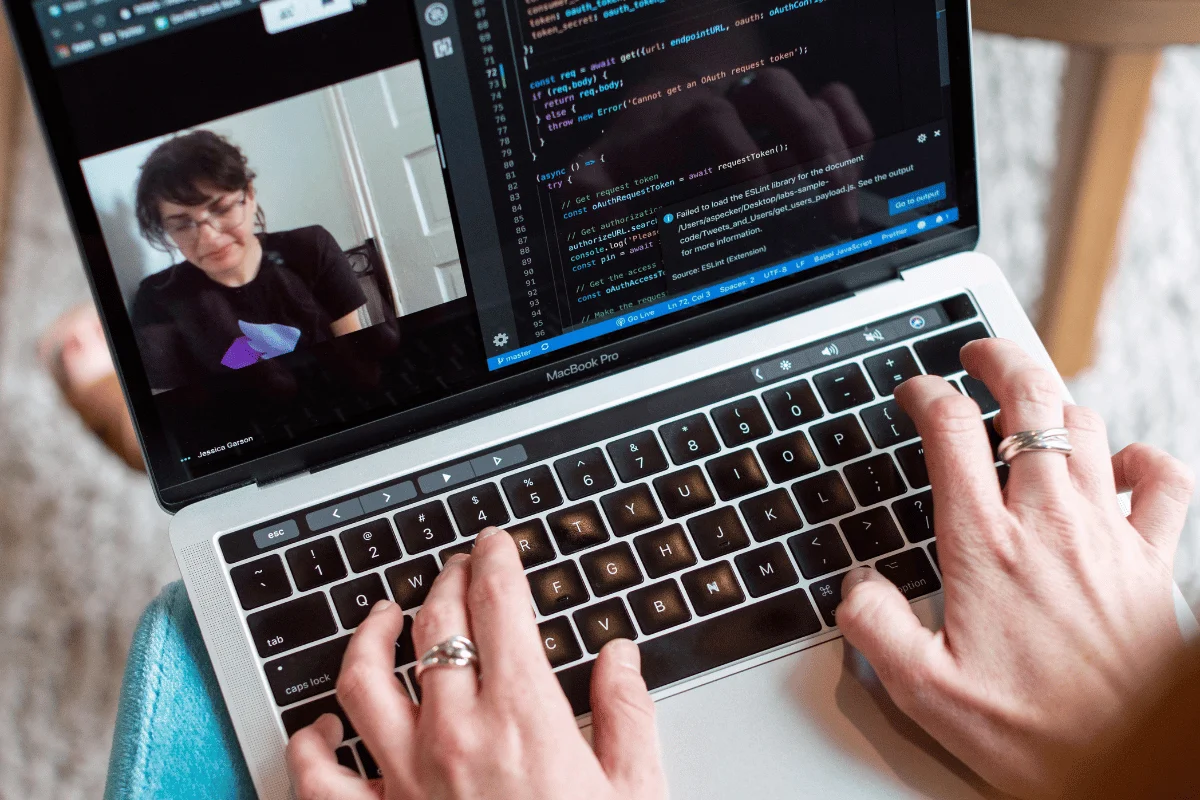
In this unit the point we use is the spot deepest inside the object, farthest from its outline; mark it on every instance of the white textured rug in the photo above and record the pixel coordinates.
(83, 547)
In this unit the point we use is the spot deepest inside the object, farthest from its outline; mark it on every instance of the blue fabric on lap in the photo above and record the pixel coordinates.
(173, 737)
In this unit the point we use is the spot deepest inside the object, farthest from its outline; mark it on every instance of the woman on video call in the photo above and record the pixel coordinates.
(241, 295)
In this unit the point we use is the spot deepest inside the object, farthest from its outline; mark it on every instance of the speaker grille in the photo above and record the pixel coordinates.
(252, 714)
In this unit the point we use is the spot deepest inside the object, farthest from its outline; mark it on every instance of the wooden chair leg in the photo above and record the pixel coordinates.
(1106, 99)
(10, 94)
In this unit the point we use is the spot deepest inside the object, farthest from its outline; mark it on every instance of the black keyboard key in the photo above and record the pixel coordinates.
(600, 624)
(792, 405)
(659, 607)
(819, 551)
(260, 582)
(477, 508)
(290, 625)
(370, 768)
(766, 570)
(788, 457)
(557, 588)
(916, 516)
(371, 545)
(828, 594)
(843, 387)
(708, 644)
(979, 393)
(531, 492)
(410, 581)
(888, 425)
(345, 757)
(911, 572)
(994, 437)
(304, 715)
(316, 563)
(736, 474)
(448, 553)
(683, 492)
(665, 551)
(637, 457)
(872, 533)
(840, 440)
(631, 509)
(718, 533)
(713, 588)
(940, 354)
(1002, 473)
(406, 651)
(741, 422)
(771, 515)
(306, 673)
(354, 599)
(889, 370)
(933, 554)
(532, 542)
(559, 642)
(611, 569)
(584, 474)
(912, 461)
(689, 439)
(823, 497)
(425, 527)
(577, 528)
(875, 479)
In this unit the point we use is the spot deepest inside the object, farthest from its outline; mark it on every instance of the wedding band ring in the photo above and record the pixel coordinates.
(1050, 440)
(457, 651)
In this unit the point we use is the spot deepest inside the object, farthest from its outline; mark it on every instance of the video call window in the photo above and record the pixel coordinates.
(254, 236)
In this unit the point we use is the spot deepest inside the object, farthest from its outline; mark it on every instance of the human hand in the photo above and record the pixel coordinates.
(1058, 610)
(510, 734)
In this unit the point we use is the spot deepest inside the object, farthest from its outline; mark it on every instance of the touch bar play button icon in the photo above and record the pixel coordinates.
(445, 478)
(334, 515)
(500, 460)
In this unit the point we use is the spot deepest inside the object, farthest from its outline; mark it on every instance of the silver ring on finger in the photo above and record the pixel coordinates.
(457, 651)
(1048, 440)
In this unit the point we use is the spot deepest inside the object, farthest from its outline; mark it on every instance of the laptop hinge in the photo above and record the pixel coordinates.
(270, 480)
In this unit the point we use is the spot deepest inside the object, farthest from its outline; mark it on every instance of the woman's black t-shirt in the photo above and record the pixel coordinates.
(189, 326)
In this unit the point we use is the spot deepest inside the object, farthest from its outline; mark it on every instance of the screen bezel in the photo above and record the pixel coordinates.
(671, 335)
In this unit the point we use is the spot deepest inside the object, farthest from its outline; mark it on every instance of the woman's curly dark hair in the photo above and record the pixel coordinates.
(174, 173)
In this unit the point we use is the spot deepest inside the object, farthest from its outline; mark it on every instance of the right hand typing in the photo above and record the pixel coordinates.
(1058, 609)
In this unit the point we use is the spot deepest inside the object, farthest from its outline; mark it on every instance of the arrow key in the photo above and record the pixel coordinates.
(342, 513)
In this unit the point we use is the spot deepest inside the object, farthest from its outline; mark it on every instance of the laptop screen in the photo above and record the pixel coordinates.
(310, 217)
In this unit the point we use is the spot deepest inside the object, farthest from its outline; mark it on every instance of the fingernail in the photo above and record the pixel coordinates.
(627, 654)
(490, 531)
(381, 606)
(456, 560)
(854, 577)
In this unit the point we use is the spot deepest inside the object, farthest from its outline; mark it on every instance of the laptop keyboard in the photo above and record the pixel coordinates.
(708, 532)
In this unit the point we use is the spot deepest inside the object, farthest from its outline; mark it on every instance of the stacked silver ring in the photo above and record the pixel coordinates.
(457, 651)
(1050, 440)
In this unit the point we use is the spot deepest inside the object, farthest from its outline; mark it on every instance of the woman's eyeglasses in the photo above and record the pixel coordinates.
(222, 216)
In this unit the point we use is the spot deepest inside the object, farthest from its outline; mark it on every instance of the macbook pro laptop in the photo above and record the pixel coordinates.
(634, 279)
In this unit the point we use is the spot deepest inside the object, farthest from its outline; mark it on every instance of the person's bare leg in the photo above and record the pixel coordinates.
(75, 352)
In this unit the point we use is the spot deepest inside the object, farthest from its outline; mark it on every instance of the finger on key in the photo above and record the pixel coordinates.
(313, 766)
(372, 697)
(1030, 399)
(1091, 465)
(442, 617)
(958, 455)
(510, 648)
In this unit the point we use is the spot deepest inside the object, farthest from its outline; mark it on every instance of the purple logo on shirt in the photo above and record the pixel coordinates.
(259, 343)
